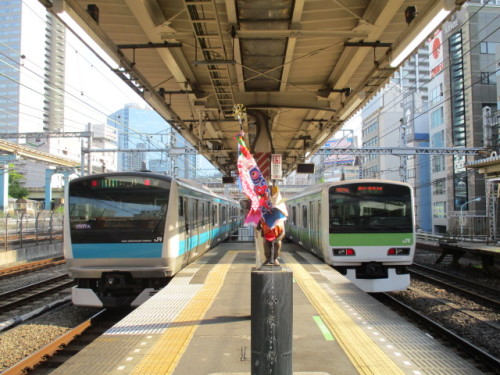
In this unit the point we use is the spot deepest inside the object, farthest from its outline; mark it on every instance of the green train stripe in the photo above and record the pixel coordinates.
(371, 239)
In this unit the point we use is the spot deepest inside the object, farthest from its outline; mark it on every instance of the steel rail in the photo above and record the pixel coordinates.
(30, 362)
(465, 288)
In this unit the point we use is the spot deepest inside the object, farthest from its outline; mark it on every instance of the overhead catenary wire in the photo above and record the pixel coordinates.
(419, 110)
(84, 102)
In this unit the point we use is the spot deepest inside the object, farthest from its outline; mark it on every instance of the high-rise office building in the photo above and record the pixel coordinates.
(464, 84)
(397, 117)
(152, 142)
(32, 49)
(443, 110)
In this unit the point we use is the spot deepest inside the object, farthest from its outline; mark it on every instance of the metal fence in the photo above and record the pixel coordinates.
(469, 228)
(24, 230)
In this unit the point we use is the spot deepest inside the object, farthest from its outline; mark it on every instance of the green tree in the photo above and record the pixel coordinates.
(16, 190)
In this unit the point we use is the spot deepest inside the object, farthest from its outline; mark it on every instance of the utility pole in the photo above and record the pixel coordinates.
(402, 158)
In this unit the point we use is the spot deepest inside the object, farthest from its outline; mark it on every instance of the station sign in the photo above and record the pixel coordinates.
(276, 167)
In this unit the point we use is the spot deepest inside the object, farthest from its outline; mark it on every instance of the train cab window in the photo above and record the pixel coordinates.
(294, 216)
(304, 217)
(369, 208)
(117, 209)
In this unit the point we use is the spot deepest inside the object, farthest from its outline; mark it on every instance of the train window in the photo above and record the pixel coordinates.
(367, 208)
(318, 216)
(223, 215)
(118, 209)
(294, 215)
(214, 215)
(181, 206)
(311, 210)
(196, 213)
(304, 217)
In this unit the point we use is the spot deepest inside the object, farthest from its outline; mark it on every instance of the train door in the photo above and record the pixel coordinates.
(312, 227)
(182, 226)
(210, 228)
(316, 220)
(293, 223)
(195, 233)
(204, 229)
(223, 222)
(188, 228)
(215, 224)
(319, 225)
(304, 235)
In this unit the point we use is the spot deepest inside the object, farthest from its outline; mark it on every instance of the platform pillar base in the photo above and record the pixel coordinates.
(272, 318)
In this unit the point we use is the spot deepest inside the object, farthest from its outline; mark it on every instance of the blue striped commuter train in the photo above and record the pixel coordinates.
(126, 234)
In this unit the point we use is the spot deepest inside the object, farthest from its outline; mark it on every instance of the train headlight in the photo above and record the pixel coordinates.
(344, 252)
(398, 251)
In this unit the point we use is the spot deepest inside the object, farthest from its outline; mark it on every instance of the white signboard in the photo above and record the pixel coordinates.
(276, 171)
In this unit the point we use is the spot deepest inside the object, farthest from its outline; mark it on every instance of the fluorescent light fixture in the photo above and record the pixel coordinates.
(352, 105)
(73, 21)
(214, 62)
(321, 138)
(430, 21)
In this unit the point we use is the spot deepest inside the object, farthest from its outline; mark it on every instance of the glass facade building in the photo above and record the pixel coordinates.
(152, 143)
(32, 77)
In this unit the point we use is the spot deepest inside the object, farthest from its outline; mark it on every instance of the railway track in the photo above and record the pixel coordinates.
(480, 293)
(490, 363)
(30, 267)
(64, 347)
(22, 296)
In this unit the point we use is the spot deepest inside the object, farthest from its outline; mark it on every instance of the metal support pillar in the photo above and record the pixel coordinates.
(4, 188)
(66, 175)
(48, 188)
(272, 318)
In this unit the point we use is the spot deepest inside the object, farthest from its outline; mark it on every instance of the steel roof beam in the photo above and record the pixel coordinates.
(397, 151)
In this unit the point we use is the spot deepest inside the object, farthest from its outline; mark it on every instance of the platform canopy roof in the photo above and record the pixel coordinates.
(295, 69)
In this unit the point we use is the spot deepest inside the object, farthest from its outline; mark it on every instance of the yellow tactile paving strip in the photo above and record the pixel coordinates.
(364, 354)
(168, 350)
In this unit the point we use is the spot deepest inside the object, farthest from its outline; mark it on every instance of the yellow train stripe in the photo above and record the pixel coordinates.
(364, 354)
(166, 353)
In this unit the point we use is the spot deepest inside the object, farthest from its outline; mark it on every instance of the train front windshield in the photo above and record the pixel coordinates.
(120, 209)
(370, 208)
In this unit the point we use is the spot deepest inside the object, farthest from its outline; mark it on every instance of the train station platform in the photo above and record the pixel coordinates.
(488, 253)
(200, 324)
